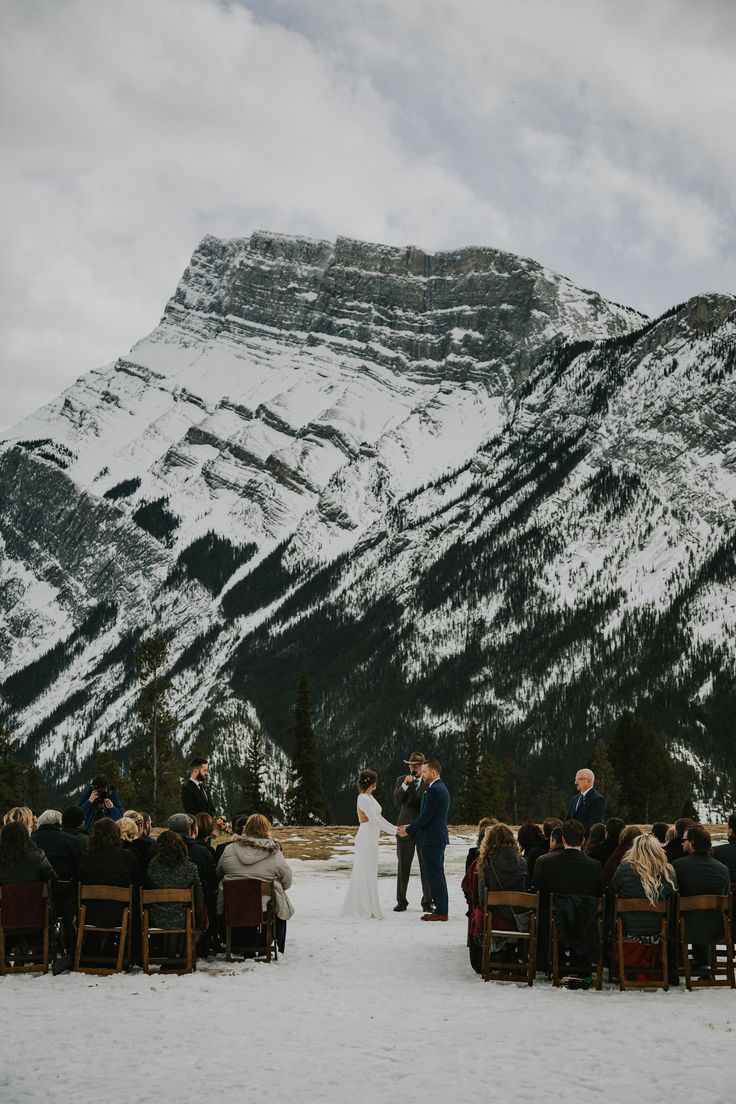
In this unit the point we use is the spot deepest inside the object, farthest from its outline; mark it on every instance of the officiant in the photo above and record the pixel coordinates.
(407, 799)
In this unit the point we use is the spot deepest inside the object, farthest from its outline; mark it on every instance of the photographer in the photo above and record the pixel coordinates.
(99, 800)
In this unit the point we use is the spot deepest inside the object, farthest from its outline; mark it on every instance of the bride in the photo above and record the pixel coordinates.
(361, 900)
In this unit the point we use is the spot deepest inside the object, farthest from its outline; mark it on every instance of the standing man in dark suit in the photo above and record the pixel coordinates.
(588, 806)
(195, 797)
(430, 830)
(407, 799)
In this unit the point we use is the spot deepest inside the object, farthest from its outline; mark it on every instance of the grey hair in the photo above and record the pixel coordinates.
(49, 816)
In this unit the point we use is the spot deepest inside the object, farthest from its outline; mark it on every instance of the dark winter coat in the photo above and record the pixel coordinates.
(532, 856)
(627, 883)
(614, 861)
(80, 836)
(569, 872)
(603, 851)
(726, 853)
(698, 874)
(507, 870)
(182, 876)
(31, 867)
(113, 866)
(64, 852)
(674, 850)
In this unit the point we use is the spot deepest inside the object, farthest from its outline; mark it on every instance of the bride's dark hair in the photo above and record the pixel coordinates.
(366, 779)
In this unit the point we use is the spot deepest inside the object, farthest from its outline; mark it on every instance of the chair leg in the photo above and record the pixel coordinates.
(2, 951)
(555, 954)
(228, 944)
(145, 948)
(123, 941)
(531, 967)
(620, 954)
(80, 936)
(685, 958)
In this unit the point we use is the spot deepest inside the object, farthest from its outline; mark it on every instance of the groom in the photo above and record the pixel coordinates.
(430, 830)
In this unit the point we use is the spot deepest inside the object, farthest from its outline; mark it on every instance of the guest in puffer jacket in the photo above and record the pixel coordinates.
(255, 854)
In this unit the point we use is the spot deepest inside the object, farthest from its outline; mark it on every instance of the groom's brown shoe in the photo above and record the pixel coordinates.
(433, 916)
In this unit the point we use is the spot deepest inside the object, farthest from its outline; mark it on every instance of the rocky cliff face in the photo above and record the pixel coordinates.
(439, 483)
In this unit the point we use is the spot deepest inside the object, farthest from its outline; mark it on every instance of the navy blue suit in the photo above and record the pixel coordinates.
(430, 828)
(588, 808)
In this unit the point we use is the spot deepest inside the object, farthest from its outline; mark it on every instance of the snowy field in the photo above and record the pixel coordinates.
(358, 1012)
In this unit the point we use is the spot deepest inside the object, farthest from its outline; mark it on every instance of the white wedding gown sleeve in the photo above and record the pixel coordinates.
(361, 899)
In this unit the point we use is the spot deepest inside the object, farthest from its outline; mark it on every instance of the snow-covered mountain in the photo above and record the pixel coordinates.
(440, 484)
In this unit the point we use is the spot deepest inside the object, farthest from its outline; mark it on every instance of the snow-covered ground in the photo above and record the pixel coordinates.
(358, 1012)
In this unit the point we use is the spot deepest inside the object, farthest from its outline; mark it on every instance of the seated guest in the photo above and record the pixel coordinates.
(659, 831)
(253, 853)
(644, 872)
(603, 851)
(530, 837)
(726, 852)
(569, 877)
(543, 848)
(107, 863)
(571, 871)
(555, 847)
(626, 837)
(171, 868)
(472, 854)
(64, 852)
(23, 815)
(205, 825)
(675, 848)
(72, 824)
(131, 840)
(670, 834)
(698, 872)
(186, 826)
(596, 837)
(501, 866)
(20, 858)
(147, 824)
(143, 846)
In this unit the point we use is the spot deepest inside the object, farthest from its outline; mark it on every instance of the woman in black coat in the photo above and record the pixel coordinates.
(107, 863)
(20, 858)
(501, 866)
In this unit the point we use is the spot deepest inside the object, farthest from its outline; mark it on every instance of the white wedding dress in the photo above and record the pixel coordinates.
(361, 899)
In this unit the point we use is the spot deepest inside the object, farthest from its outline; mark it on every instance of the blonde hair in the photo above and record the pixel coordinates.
(132, 814)
(20, 813)
(129, 830)
(649, 860)
(494, 838)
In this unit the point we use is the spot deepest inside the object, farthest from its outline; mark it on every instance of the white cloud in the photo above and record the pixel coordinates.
(595, 137)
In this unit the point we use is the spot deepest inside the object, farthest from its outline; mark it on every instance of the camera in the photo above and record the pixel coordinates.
(102, 795)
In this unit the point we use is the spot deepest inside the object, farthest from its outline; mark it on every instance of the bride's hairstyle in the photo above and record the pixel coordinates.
(366, 779)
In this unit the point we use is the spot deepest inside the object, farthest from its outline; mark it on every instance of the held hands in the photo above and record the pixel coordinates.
(401, 831)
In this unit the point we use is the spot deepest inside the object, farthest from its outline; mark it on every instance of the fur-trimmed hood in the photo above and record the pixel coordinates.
(252, 849)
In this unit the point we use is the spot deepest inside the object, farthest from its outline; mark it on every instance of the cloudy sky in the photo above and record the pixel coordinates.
(596, 137)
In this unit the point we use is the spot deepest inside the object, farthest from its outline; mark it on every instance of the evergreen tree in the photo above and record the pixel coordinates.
(515, 787)
(551, 801)
(490, 788)
(305, 797)
(688, 810)
(470, 807)
(157, 767)
(253, 798)
(605, 777)
(644, 769)
(20, 783)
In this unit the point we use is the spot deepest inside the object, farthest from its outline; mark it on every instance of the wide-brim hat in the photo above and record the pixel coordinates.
(415, 757)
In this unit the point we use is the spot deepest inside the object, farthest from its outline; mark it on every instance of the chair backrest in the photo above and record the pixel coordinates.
(166, 896)
(710, 902)
(243, 901)
(512, 898)
(640, 904)
(106, 893)
(23, 906)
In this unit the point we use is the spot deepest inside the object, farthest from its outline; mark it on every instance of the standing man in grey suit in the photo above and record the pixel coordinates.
(407, 799)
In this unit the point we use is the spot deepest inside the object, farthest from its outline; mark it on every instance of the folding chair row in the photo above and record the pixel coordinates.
(26, 912)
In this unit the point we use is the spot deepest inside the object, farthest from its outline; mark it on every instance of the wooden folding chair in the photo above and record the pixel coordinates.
(243, 908)
(25, 910)
(106, 963)
(185, 897)
(494, 970)
(554, 936)
(720, 961)
(655, 977)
